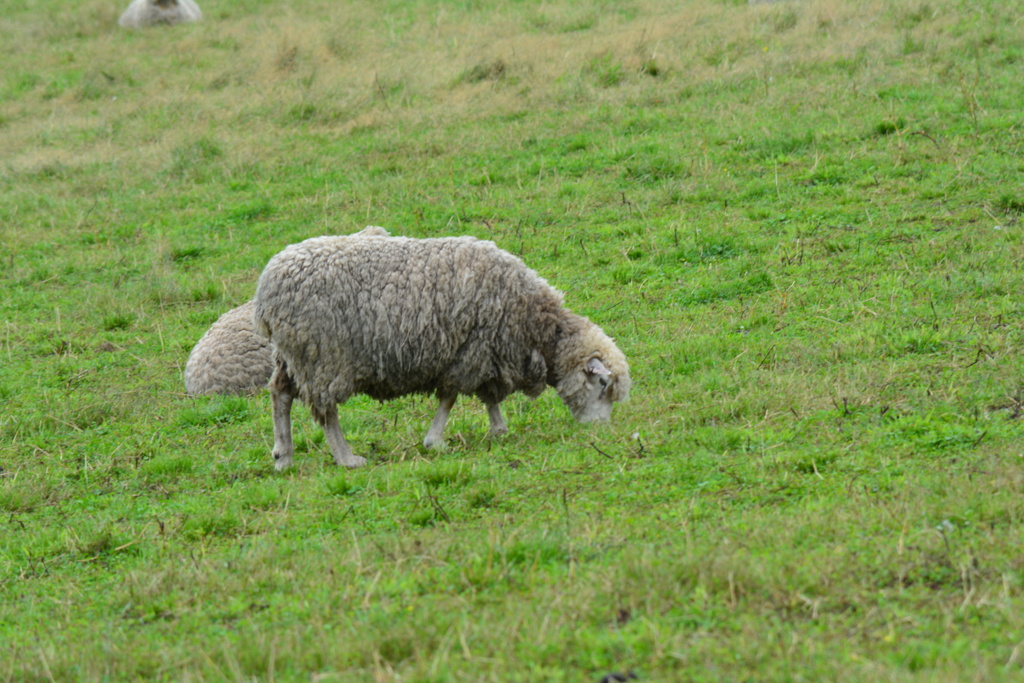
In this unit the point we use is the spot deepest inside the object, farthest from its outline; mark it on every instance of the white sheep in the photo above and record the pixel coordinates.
(396, 316)
(142, 13)
(230, 358)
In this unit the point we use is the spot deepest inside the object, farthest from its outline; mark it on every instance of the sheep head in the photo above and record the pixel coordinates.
(592, 374)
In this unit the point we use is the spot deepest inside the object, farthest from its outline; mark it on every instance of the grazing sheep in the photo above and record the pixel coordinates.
(142, 13)
(230, 358)
(390, 317)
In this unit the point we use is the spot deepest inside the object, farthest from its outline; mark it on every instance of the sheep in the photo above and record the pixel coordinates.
(142, 13)
(445, 316)
(230, 358)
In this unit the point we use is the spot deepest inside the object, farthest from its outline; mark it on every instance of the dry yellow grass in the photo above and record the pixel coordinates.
(358, 65)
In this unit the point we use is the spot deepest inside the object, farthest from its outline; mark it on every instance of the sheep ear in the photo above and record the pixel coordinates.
(596, 367)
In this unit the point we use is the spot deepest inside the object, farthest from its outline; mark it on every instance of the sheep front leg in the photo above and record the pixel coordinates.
(282, 398)
(340, 449)
(435, 435)
(498, 426)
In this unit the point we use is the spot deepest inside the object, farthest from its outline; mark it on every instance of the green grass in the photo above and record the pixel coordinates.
(800, 221)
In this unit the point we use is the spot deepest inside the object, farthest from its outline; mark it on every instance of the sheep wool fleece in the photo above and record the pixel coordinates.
(392, 316)
(230, 358)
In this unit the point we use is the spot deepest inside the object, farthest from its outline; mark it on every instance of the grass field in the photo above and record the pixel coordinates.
(801, 221)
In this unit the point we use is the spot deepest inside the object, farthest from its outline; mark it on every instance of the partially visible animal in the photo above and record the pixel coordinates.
(451, 316)
(230, 358)
(143, 13)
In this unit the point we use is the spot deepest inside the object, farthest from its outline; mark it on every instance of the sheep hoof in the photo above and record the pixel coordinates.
(282, 462)
(434, 444)
(498, 433)
(353, 461)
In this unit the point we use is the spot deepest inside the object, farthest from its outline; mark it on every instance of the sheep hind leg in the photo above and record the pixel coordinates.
(435, 435)
(498, 426)
(282, 393)
(340, 449)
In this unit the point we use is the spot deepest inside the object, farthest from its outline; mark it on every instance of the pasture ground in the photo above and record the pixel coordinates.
(800, 220)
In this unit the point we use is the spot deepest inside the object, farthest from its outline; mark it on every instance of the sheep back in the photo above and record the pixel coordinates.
(393, 316)
(230, 358)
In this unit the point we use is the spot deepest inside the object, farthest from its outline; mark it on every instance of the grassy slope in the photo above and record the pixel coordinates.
(801, 222)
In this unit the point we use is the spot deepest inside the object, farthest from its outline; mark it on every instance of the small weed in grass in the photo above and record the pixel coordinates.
(487, 71)
(785, 20)
(254, 211)
(93, 414)
(447, 474)
(95, 543)
(781, 145)
(20, 84)
(167, 467)
(814, 464)
(935, 432)
(537, 552)
(890, 126)
(1009, 203)
(301, 113)
(307, 442)
(755, 284)
(184, 254)
(583, 22)
(22, 495)
(605, 70)
(627, 274)
(339, 485)
(577, 143)
(650, 67)
(216, 410)
(910, 15)
(654, 169)
(117, 321)
(423, 518)
(703, 251)
(61, 83)
(222, 523)
(191, 161)
(265, 496)
(204, 293)
(481, 497)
